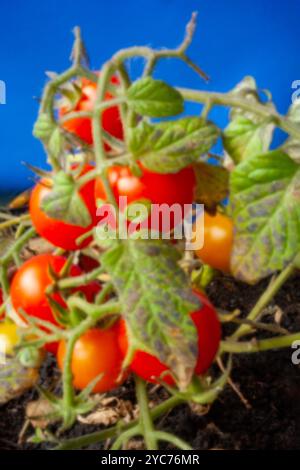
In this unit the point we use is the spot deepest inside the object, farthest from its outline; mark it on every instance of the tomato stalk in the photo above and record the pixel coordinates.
(265, 299)
(146, 422)
(228, 99)
(17, 246)
(255, 345)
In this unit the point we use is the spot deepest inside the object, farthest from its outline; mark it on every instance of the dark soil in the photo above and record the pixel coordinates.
(269, 381)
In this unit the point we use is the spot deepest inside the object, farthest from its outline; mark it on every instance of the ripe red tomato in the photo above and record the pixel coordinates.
(82, 127)
(30, 283)
(218, 240)
(96, 352)
(149, 367)
(56, 231)
(157, 188)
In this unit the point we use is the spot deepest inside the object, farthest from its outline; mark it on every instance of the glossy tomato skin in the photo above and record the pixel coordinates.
(82, 127)
(208, 327)
(29, 285)
(9, 337)
(96, 352)
(57, 232)
(175, 188)
(218, 241)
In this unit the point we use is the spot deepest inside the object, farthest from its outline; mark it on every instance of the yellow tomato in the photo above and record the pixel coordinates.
(8, 336)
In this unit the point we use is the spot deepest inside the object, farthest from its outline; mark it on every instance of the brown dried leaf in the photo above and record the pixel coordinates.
(40, 413)
(109, 411)
(15, 379)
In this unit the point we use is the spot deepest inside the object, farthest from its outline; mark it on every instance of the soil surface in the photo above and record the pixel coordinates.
(269, 381)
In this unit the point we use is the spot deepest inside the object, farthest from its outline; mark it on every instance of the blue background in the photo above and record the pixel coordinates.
(234, 38)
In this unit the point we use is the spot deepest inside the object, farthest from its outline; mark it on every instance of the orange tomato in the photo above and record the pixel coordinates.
(218, 240)
(96, 352)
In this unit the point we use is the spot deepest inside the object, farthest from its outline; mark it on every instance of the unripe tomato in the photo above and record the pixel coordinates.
(218, 240)
(96, 352)
(149, 367)
(9, 337)
(156, 188)
(58, 232)
(28, 288)
(82, 127)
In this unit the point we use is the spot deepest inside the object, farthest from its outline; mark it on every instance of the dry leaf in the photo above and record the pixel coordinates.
(40, 413)
(15, 379)
(109, 411)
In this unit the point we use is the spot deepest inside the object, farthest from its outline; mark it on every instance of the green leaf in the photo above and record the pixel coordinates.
(156, 300)
(15, 379)
(212, 185)
(65, 203)
(292, 146)
(43, 127)
(167, 147)
(265, 198)
(154, 98)
(55, 143)
(248, 133)
(244, 138)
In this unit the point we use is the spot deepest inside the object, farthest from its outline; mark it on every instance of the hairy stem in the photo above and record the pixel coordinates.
(229, 99)
(265, 299)
(146, 422)
(254, 345)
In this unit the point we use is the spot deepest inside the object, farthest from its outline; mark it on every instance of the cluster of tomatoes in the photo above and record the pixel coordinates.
(102, 350)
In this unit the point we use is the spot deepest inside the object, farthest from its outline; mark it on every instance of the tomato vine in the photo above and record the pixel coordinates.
(142, 280)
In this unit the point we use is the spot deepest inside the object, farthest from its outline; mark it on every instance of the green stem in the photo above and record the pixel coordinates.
(68, 390)
(176, 441)
(77, 281)
(17, 246)
(98, 436)
(265, 299)
(229, 99)
(259, 345)
(4, 281)
(97, 129)
(14, 221)
(146, 422)
(125, 437)
(94, 312)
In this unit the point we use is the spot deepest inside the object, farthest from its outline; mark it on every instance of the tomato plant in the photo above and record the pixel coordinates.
(96, 352)
(168, 332)
(81, 126)
(218, 241)
(208, 327)
(56, 231)
(29, 285)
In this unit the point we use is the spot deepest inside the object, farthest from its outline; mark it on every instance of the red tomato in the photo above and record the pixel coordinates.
(149, 367)
(157, 188)
(56, 231)
(30, 283)
(96, 352)
(82, 127)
